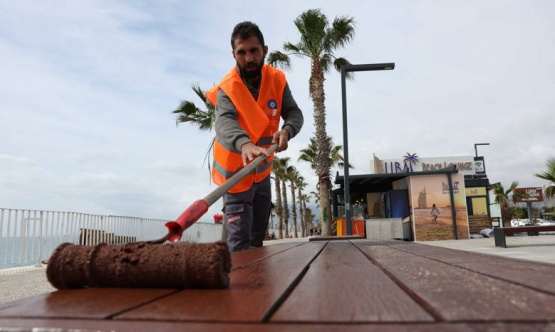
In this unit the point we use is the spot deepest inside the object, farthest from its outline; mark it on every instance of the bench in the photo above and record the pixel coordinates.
(341, 285)
(500, 233)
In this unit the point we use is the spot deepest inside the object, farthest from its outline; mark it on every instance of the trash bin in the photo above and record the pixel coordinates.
(358, 227)
(341, 227)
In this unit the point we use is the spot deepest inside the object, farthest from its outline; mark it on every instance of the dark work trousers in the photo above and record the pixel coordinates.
(247, 215)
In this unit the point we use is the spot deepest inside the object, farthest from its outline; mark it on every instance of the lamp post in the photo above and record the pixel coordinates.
(345, 69)
(476, 148)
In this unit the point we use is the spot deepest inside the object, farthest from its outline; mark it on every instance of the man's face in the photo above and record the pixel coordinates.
(249, 54)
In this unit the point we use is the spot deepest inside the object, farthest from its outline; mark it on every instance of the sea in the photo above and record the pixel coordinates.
(25, 251)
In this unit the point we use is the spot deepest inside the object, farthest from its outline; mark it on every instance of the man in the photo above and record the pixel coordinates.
(249, 103)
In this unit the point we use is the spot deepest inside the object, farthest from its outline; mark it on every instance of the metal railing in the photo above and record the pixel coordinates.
(29, 237)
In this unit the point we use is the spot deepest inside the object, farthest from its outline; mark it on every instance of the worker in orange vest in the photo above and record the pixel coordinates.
(249, 102)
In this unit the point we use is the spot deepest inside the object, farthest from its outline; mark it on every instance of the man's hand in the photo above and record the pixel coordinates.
(282, 138)
(249, 152)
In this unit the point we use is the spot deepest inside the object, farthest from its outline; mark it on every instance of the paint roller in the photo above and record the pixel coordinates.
(151, 264)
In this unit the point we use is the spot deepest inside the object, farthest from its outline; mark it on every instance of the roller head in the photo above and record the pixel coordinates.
(140, 265)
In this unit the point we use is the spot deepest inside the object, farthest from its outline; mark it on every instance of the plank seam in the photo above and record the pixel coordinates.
(279, 302)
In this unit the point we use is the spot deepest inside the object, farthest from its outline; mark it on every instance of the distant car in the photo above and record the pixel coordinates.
(543, 222)
(519, 222)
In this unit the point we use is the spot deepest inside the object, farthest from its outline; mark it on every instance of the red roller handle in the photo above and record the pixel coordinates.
(186, 219)
(199, 207)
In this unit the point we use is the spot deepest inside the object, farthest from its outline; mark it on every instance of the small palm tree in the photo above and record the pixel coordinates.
(279, 171)
(549, 175)
(292, 175)
(310, 154)
(318, 43)
(301, 184)
(309, 217)
(188, 112)
(285, 204)
(502, 198)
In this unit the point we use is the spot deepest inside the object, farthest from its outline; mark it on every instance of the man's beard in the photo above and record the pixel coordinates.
(251, 73)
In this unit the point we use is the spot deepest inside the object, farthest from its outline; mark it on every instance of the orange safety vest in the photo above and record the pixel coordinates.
(259, 118)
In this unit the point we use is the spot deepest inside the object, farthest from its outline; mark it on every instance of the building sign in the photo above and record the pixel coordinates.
(412, 163)
(479, 165)
(534, 194)
(476, 191)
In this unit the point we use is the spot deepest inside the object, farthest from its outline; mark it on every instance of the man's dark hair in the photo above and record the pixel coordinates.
(245, 30)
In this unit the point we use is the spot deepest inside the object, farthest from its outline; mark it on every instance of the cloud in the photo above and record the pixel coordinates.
(88, 89)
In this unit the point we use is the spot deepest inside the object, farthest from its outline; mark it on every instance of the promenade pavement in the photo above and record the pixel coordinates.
(18, 283)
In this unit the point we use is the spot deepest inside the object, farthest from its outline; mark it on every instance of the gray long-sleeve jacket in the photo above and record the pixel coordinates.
(230, 132)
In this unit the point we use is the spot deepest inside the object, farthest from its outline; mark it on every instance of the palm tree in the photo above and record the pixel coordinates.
(316, 195)
(279, 170)
(188, 112)
(549, 175)
(285, 205)
(310, 154)
(271, 223)
(301, 184)
(502, 198)
(318, 43)
(292, 175)
(308, 216)
(305, 198)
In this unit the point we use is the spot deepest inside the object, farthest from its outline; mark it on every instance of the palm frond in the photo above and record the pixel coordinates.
(279, 60)
(343, 31)
(548, 175)
(339, 62)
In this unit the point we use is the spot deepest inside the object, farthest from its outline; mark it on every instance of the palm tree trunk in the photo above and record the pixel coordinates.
(285, 210)
(301, 217)
(323, 160)
(506, 215)
(294, 209)
(279, 208)
(307, 227)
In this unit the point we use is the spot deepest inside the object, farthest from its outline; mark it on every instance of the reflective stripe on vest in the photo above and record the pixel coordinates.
(260, 120)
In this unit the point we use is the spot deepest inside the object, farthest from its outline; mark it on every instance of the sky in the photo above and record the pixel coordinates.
(87, 90)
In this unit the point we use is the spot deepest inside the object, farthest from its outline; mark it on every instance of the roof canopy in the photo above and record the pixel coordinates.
(381, 182)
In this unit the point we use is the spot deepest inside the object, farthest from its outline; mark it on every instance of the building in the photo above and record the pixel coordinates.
(407, 189)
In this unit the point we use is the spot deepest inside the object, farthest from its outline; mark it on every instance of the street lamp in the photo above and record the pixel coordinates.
(345, 69)
(476, 147)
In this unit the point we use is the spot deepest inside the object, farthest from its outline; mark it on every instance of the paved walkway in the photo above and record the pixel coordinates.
(536, 248)
(18, 283)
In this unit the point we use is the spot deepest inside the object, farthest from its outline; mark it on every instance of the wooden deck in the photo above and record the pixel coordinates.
(355, 285)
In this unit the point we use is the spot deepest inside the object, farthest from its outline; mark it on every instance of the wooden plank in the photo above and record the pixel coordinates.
(242, 258)
(337, 238)
(103, 302)
(525, 273)
(342, 285)
(454, 294)
(133, 326)
(254, 290)
(95, 303)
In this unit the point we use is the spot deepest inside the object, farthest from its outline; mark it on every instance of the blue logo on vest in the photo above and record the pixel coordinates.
(272, 104)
